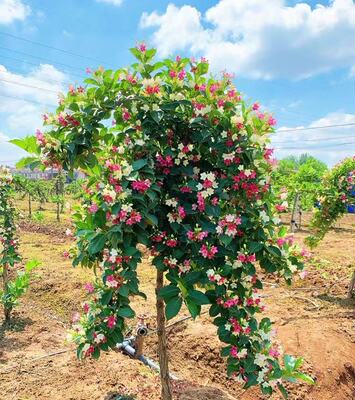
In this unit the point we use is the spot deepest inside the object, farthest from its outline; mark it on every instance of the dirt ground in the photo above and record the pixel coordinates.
(314, 319)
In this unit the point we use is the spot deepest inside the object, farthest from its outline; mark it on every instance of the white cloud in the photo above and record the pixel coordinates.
(258, 38)
(113, 2)
(22, 106)
(328, 144)
(11, 10)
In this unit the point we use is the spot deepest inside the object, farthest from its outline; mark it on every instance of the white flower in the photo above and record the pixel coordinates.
(265, 218)
(127, 207)
(243, 353)
(237, 119)
(260, 360)
(210, 272)
(99, 338)
(237, 264)
(276, 220)
(228, 326)
(171, 202)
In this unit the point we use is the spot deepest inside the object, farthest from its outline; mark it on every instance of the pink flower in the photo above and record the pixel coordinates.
(134, 218)
(65, 254)
(125, 115)
(89, 287)
(208, 252)
(242, 258)
(274, 352)
(141, 186)
(181, 75)
(303, 274)
(41, 140)
(88, 70)
(142, 47)
(200, 202)
(86, 308)
(112, 282)
(171, 242)
(93, 208)
(271, 121)
(256, 106)
(111, 321)
(75, 317)
(234, 352)
(172, 74)
(181, 212)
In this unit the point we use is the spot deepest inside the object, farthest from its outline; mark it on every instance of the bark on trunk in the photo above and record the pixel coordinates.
(29, 206)
(351, 286)
(58, 203)
(5, 279)
(162, 345)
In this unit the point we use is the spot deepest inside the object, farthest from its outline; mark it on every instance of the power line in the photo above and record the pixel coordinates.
(36, 65)
(51, 47)
(315, 140)
(28, 101)
(29, 86)
(315, 148)
(17, 71)
(42, 58)
(314, 127)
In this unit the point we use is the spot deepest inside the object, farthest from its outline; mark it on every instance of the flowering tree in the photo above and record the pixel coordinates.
(177, 161)
(335, 194)
(9, 256)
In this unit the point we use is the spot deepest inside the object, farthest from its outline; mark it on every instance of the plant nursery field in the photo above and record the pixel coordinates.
(314, 319)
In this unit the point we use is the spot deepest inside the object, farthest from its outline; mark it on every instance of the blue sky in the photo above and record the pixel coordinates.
(295, 58)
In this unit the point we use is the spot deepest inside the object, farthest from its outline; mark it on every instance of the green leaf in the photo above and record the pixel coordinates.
(167, 292)
(275, 251)
(173, 307)
(97, 244)
(304, 377)
(298, 363)
(126, 312)
(137, 165)
(225, 239)
(152, 219)
(289, 362)
(30, 265)
(31, 162)
(123, 291)
(254, 247)
(283, 391)
(225, 352)
(194, 308)
(106, 298)
(198, 297)
(28, 143)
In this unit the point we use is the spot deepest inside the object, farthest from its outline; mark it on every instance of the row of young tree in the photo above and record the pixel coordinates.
(301, 176)
(45, 191)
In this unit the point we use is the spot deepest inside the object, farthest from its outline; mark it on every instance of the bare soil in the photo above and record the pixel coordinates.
(314, 319)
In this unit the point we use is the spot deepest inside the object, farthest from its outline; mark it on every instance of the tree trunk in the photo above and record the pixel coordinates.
(351, 286)
(29, 206)
(57, 193)
(5, 279)
(293, 215)
(162, 345)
